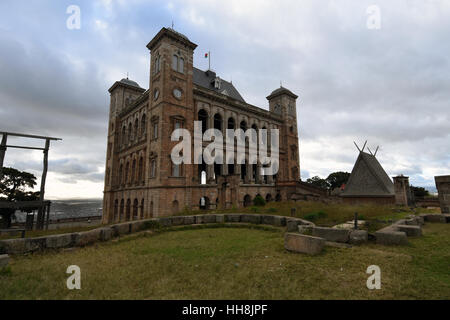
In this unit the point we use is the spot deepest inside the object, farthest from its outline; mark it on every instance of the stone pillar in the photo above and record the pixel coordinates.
(249, 176)
(402, 191)
(259, 178)
(443, 187)
(210, 174)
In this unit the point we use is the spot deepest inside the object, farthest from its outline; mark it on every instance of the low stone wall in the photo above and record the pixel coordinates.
(81, 239)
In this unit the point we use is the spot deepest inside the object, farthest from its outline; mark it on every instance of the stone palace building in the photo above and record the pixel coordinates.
(140, 179)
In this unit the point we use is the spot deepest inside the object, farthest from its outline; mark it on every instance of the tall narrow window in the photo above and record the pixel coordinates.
(155, 130)
(143, 125)
(176, 170)
(175, 62)
(181, 65)
(153, 168)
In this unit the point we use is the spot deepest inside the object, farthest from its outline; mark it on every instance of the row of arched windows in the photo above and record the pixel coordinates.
(134, 131)
(128, 212)
(134, 174)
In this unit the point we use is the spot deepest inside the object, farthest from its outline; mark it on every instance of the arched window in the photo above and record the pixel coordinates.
(204, 203)
(231, 124)
(133, 171)
(140, 171)
(175, 62)
(218, 121)
(142, 209)
(121, 210)
(128, 210)
(130, 132)
(127, 171)
(243, 125)
(136, 128)
(157, 64)
(143, 125)
(124, 135)
(107, 176)
(121, 174)
(135, 209)
(247, 201)
(268, 197)
(175, 207)
(203, 117)
(116, 210)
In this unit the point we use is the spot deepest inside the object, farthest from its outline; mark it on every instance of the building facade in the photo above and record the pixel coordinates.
(141, 181)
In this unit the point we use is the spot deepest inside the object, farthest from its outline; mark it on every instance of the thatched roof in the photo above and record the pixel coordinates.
(368, 178)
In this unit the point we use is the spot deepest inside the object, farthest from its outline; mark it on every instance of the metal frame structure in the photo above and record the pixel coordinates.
(44, 206)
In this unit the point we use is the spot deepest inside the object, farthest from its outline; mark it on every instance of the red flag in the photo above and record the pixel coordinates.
(206, 55)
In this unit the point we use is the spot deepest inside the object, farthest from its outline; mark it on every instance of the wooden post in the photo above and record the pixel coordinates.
(41, 212)
(48, 216)
(2, 151)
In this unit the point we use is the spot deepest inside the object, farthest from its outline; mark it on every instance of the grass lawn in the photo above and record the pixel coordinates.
(233, 263)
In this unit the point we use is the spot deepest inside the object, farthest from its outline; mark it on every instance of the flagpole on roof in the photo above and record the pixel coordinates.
(209, 60)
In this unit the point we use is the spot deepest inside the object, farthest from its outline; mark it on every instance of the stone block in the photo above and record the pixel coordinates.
(198, 219)
(177, 221)
(121, 229)
(305, 229)
(292, 224)
(59, 241)
(267, 219)
(330, 234)
(220, 218)
(188, 220)
(209, 218)
(88, 237)
(4, 260)
(12, 246)
(411, 231)
(389, 237)
(251, 218)
(35, 244)
(303, 244)
(447, 218)
(136, 226)
(165, 222)
(232, 218)
(358, 236)
(435, 218)
(106, 234)
(279, 221)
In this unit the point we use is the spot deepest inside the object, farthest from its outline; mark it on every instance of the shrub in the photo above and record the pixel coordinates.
(259, 201)
(315, 215)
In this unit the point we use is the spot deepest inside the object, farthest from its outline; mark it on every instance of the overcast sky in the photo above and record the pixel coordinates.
(388, 85)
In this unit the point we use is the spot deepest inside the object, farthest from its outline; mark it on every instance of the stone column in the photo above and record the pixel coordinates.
(258, 179)
(443, 187)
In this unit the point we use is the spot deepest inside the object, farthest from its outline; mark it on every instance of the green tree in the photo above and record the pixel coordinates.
(318, 182)
(336, 179)
(419, 192)
(14, 185)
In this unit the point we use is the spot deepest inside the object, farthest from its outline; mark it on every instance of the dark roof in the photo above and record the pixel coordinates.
(368, 178)
(205, 79)
(130, 82)
(282, 90)
(169, 32)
